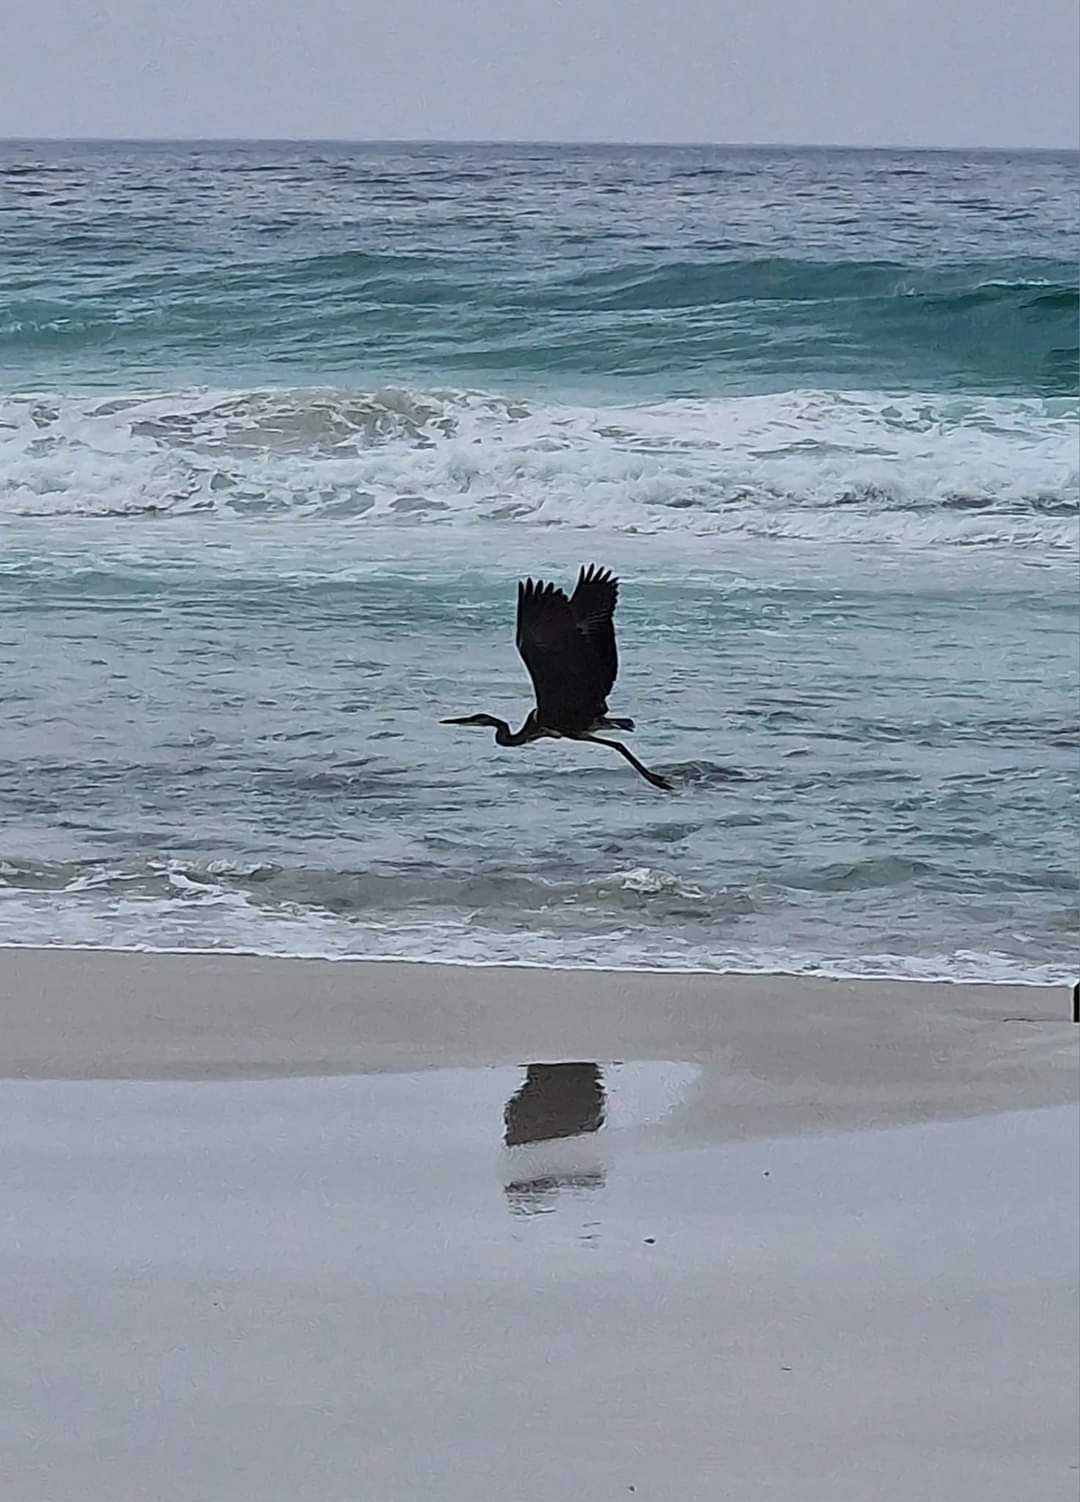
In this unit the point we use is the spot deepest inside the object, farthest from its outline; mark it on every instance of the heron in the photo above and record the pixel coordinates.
(568, 646)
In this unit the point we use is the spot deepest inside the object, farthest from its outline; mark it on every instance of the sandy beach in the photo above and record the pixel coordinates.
(623, 1234)
(776, 1053)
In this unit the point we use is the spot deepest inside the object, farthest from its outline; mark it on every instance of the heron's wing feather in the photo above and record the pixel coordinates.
(593, 604)
(563, 666)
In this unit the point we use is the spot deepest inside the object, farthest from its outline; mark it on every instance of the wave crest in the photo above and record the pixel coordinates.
(998, 325)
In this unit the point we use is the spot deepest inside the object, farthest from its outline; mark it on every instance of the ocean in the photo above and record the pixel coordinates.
(281, 426)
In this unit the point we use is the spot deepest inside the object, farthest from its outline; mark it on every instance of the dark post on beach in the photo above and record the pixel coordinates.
(1076, 1002)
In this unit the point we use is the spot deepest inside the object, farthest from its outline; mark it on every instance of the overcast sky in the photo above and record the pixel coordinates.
(864, 72)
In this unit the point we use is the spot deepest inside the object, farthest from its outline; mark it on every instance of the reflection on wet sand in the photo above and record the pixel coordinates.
(554, 1101)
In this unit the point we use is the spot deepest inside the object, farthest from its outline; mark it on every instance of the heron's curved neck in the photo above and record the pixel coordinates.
(504, 736)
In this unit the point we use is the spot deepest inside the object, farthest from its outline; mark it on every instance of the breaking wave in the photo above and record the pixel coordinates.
(816, 465)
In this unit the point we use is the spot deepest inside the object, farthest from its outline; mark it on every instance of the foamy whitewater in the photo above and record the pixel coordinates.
(281, 426)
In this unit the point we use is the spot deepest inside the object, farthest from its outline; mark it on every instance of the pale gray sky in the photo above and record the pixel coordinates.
(864, 72)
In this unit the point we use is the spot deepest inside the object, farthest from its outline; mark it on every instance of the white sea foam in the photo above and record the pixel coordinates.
(861, 467)
(650, 881)
(217, 921)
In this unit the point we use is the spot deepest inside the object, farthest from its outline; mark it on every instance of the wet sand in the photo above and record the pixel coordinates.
(780, 1053)
(722, 1237)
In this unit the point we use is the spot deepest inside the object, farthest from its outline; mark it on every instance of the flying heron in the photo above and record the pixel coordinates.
(569, 649)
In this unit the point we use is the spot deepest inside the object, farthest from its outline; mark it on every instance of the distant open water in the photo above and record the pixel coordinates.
(281, 425)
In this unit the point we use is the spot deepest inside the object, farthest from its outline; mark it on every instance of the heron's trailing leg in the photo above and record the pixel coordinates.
(653, 777)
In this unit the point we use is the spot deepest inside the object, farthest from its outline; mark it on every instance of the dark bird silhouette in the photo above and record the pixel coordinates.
(568, 646)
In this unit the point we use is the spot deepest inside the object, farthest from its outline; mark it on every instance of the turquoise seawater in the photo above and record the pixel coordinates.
(281, 425)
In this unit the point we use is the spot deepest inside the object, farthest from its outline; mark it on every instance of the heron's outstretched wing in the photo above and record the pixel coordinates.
(593, 603)
(566, 673)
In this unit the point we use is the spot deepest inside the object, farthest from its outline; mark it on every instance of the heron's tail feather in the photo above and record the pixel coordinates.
(606, 724)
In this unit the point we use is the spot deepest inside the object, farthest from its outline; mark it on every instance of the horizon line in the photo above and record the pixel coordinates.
(523, 141)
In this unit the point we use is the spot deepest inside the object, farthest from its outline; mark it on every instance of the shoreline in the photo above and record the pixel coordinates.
(776, 1054)
(1065, 980)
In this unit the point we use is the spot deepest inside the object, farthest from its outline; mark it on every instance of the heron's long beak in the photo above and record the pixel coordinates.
(459, 720)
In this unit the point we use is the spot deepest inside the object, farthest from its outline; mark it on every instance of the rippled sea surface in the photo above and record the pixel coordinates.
(282, 425)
